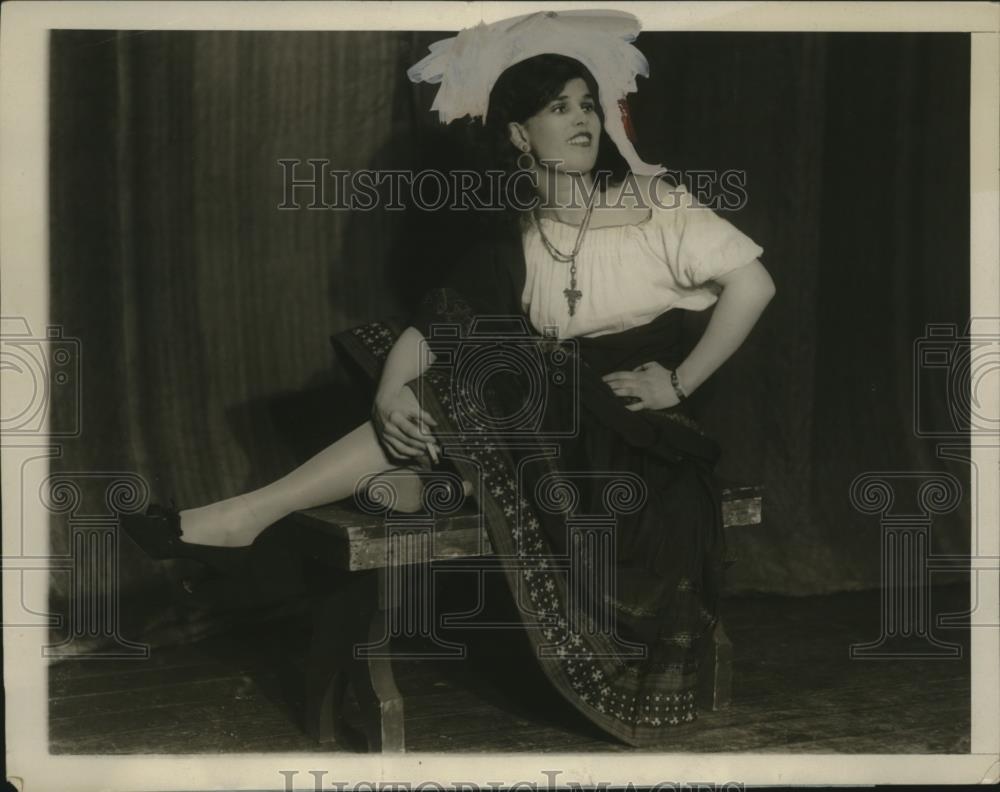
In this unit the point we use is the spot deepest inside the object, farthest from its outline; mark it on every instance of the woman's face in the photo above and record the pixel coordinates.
(565, 132)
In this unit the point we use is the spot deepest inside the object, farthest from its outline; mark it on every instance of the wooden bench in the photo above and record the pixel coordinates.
(354, 624)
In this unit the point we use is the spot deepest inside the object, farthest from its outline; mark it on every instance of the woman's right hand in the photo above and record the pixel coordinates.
(403, 425)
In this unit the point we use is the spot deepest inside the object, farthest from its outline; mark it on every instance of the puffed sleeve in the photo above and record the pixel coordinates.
(700, 246)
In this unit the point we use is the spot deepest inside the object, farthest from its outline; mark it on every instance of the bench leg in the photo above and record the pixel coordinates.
(716, 671)
(324, 703)
(375, 689)
(327, 666)
(345, 625)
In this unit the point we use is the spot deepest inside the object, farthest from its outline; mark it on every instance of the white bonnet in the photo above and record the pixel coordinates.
(467, 65)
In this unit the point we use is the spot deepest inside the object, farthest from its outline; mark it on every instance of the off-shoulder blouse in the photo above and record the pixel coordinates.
(629, 274)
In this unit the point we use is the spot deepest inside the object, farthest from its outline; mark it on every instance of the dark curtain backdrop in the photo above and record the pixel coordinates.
(204, 312)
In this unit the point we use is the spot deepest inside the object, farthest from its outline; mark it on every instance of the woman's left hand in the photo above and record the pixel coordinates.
(650, 383)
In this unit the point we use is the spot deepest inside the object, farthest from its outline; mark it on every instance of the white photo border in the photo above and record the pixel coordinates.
(24, 213)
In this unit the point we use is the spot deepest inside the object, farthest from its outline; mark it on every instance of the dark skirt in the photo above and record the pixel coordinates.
(608, 521)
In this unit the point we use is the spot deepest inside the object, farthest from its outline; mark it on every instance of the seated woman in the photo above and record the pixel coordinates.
(595, 258)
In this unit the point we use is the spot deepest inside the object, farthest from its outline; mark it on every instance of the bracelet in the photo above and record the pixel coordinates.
(678, 389)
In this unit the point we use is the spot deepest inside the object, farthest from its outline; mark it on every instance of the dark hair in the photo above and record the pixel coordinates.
(523, 90)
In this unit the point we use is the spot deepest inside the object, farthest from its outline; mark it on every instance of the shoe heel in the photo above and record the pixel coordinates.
(158, 534)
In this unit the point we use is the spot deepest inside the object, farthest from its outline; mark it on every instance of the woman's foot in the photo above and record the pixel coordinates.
(234, 522)
(158, 533)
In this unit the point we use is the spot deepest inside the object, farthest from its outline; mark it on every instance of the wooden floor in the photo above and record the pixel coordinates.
(795, 690)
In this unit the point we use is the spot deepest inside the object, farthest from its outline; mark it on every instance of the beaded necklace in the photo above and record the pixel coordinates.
(572, 293)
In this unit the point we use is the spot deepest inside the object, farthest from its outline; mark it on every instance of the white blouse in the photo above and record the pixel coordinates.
(629, 274)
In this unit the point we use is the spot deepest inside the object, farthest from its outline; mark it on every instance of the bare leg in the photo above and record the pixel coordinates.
(329, 476)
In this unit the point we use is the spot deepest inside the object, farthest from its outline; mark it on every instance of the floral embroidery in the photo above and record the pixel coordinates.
(609, 686)
(376, 337)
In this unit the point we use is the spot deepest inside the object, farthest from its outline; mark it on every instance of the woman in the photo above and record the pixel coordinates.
(599, 264)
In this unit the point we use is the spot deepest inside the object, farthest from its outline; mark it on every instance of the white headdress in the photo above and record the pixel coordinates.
(468, 65)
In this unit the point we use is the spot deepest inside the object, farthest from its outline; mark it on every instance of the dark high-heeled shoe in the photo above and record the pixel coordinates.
(158, 535)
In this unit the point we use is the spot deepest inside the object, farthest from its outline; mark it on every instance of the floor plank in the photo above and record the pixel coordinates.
(796, 690)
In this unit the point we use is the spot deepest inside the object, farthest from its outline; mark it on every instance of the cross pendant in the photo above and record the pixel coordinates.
(572, 295)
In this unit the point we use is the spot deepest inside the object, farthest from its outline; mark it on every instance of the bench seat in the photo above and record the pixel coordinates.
(351, 640)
